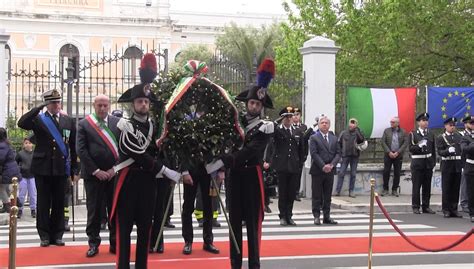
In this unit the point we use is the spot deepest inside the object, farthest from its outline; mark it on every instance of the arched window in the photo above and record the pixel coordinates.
(132, 57)
(8, 60)
(69, 57)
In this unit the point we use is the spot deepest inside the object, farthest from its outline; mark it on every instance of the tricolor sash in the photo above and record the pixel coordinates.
(54, 132)
(105, 133)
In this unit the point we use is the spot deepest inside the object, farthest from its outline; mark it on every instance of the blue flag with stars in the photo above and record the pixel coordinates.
(446, 102)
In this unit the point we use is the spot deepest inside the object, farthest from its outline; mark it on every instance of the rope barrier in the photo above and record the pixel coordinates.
(459, 241)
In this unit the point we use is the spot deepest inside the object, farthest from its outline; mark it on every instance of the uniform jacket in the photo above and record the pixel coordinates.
(443, 142)
(9, 167)
(387, 140)
(48, 159)
(467, 147)
(285, 150)
(347, 141)
(323, 153)
(92, 149)
(257, 135)
(302, 134)
(430, 148)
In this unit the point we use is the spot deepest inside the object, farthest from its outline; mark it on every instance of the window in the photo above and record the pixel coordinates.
(69, 57)
(131, 62)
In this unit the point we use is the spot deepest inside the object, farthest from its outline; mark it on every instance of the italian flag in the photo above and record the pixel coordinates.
(374, 107)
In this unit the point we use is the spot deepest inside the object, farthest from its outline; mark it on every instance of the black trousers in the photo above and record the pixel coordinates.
(246, 205)
(321, 189)
(421, 179)
(387, 166)
(96, 192)
(135, 205)
(470, 193)
(286, 194)
(202, 180)
(50, 206)
(450, 186)
(200, 207)
(163, 190)
(298, 179)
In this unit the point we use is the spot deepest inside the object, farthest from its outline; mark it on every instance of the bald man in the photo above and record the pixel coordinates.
(97, 147)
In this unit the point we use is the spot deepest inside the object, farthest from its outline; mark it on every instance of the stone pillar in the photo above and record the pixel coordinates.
(319, 95)
(4, 37)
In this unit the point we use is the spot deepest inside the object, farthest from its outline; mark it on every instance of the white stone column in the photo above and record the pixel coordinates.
(4, 37)
(319, 95)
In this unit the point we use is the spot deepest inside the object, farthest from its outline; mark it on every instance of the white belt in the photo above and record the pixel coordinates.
(421, 156)
(470, 161)
(123, 164)
(451, 158)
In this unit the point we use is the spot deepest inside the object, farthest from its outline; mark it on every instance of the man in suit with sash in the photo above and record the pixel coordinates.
(54, 160)
(325, 154)
(97, 147)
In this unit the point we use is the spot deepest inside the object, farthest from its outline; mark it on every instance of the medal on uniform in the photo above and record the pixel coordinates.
(66, 134)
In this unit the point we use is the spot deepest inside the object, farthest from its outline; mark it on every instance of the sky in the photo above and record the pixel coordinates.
(229, 6)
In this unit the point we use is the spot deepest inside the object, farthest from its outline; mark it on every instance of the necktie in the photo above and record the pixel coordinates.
(56, 120)
(102, 123)
(288, 131)
(326, 138)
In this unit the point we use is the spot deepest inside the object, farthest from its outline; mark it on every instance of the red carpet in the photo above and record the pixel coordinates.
(173, 259)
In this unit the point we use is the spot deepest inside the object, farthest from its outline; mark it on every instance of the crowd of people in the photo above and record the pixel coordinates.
(123, 170)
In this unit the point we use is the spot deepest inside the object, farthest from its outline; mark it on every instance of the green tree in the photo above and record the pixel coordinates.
(192, 52)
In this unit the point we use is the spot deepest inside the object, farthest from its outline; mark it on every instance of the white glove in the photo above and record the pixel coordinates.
(451, 149)
(125, 126)
(422, 143)
(169, 173)
(214, 166)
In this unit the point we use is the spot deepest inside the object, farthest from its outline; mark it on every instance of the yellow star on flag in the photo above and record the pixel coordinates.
(467, 100)
(466, 114)
(456, 93)
(443, 108)
(445, 116)
(463, 94)
(445, 100)
(468, 107)
(450, 94)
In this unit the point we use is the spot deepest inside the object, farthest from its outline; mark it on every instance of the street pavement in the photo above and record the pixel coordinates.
(352, 228)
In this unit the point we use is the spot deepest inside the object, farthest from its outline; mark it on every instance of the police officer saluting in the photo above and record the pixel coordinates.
(449, 148)
(54, 160)
(423, 155)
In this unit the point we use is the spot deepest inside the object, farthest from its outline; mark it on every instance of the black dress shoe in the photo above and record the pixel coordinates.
(188, 248)
(170, 225)
(329, 221)
(44, 243)
(472, 219)
(298, 199)
(455, 214)
(317, 221)
(267, 209)
(416, 211)
(92, 251)
(215, 223)
(291, 222)
(428, 211)
(58, 242)
(112, 249)
(283, 222)
(210, 248)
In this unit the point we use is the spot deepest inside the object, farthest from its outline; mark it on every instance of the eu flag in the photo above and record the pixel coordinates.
(445, 102)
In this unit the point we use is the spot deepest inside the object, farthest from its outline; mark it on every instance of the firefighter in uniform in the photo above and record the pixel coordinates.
(284, 155)
(139, 168)
(54, 160)
(246, 178)
(423, 160)
(449, 148)
(467, 146)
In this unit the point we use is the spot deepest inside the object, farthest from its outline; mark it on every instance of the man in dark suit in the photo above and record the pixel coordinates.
(394, 143)
(448, 145)
(423, 155)
(97, 148)
(325, 154)
(284, 155)
(54, 160)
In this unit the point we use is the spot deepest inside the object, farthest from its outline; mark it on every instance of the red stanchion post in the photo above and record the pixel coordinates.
(371, 221)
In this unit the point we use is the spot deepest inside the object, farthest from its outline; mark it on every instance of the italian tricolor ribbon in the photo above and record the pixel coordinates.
(105, 133)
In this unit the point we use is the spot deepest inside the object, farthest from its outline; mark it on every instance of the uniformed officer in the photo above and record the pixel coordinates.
(284, 155)
(467, 146)
(246, 178)
(423, 155)
(139, 167)
(54, 160)
(302, 134)
(463, 195)
(449, 148)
